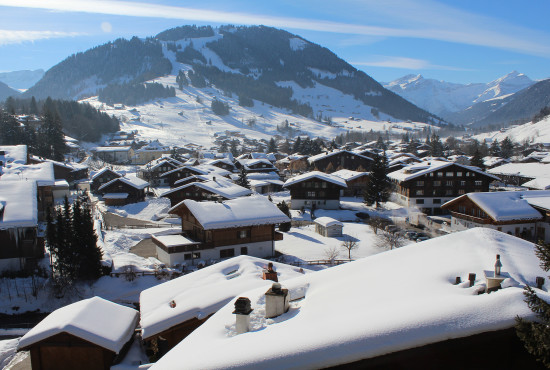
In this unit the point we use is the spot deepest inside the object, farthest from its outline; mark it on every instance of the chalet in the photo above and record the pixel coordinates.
(172, 176)
(214, 189)
(152, 171)
(21, 244)
(356, 182)
(114, 154)
(102, 177)
(13, 154)
(315, 190)
(255, 155)
(492, 162)
(442, 325)
(41, 174)
(340, 159)
(429, 184)
(328, 226)
(523, 214)
(519, 173)
(224, 164)
(231, 228)
(266, 186)
(293, 163)
(193, 178)
(69, 171)
(123, 190)
(90, 334)
(256, 165)
(172, 310)
(150, 152)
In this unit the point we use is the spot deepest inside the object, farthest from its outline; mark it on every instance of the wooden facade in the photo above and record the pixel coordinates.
(356, 186)
(180, 173)
(314, 193)
(22, 243)
(45, 201)
(342, 160)
(192, 192)
(64, 351)
(153, 174)
(103, 178)
(134, 194)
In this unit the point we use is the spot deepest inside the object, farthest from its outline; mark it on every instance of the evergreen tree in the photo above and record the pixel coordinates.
(285, 226)
(536, 334)
(378, 186)
(477, 160)
(33, 107)
(243, 179)
(495, 150)
(52, 138)
(285, 147)
(297, 145)
(233, 148)
(89, 252)
(10, 131)
(380, 144)
(272, 146)
(506, 147)
(436, 147)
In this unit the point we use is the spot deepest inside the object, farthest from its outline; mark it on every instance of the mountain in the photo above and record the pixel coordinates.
(21, 80)
(261, 63)
(6, 91)
(458, 103)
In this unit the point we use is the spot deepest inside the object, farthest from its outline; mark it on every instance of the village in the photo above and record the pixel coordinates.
(205, 248)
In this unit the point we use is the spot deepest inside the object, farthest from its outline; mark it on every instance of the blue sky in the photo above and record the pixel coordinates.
(459, 41)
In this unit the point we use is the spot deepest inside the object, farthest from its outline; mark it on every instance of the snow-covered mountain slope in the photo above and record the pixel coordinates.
(449, 100)
(6, 91)
(538, 132)
(21, 80)
(187, 118)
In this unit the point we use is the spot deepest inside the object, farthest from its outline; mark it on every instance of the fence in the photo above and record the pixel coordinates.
(320, 262)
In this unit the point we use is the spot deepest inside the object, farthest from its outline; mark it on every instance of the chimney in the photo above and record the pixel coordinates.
(472, 278)
(277, 301)
(498, 266)
(270, 273)
(540, 282)
(242, 310)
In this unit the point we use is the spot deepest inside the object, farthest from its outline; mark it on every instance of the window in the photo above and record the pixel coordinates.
(317, 185)
(459, 174)
(462, 209)
(420, 201)
(478, 182)
(449, 174)
(244, 250)
(431, 174)
(243, 234)
(420, 192)
(437, 183)
(191, 256)
(311, 194)
(324, 185)
(449, 183)
(463, 183)
(448, 192)
(420, 183)
(226, 253)
(437, 201)
(461, 192)
(440, 174)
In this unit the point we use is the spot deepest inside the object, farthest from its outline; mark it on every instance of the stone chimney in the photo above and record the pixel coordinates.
(242, 312)
(277, 301)
(270, 273)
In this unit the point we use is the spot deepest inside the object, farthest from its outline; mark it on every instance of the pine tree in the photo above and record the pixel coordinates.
(243, 179)
(272, 146)
(495, 150)
(536, 334)
(52, 138)
(285, 226)
(477, 160)
(506, 147)
(90, 253)
(297, 148)
(436, 146)
(378, 186)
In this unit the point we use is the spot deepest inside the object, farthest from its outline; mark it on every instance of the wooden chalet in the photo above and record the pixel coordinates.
(114, 154)
(21, 245)
(102, 177)
(152, 171)
(68, 171)
(256, 165)
(90, 334)
(215, 188)
(356, 182)
(224, 164)
(123, 190)
(340, 159)
(171, 177)
(524, 214)
(429, 184)
(242, 226)
(315, 190)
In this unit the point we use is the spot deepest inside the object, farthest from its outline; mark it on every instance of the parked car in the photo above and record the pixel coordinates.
(411, 235)
(420, 237)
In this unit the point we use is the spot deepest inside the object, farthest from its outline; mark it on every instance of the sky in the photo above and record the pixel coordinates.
(457, 41)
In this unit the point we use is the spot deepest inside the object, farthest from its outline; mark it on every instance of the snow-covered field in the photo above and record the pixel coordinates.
(531, 132)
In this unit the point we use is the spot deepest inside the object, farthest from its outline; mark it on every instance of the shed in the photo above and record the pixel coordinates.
(328, 226)
(90, 334)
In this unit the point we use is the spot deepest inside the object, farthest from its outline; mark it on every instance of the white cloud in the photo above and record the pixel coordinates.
(106, 27)
(403, 63)
(17, 37)
(424, 19)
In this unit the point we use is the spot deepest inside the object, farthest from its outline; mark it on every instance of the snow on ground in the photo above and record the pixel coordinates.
(532, 132)
(8, 355)
(151, 209)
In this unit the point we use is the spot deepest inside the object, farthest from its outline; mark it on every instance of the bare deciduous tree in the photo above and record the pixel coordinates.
(377, 223)
(350, 244)
(331, 254)
(390, 239)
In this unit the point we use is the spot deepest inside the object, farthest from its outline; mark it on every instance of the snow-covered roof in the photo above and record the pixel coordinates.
(327, 221)
(104, 323)
(194, 177)
(245, 211)
(423, 168)
(349, 175)
(154, 146)
(133, 181)
(506, 205)
(490, 161)
(539, 183)
(316, 175)
(193, 169)
(317, 157)
(221, 186)
(115, 195)
(252, 162)
(112, 148)
(42, 173)
(161, 161)
(14, 154)
(174, 240)
(348, 315)
(532, 170)
(203, 292)
(18, 204)
(103, 170)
